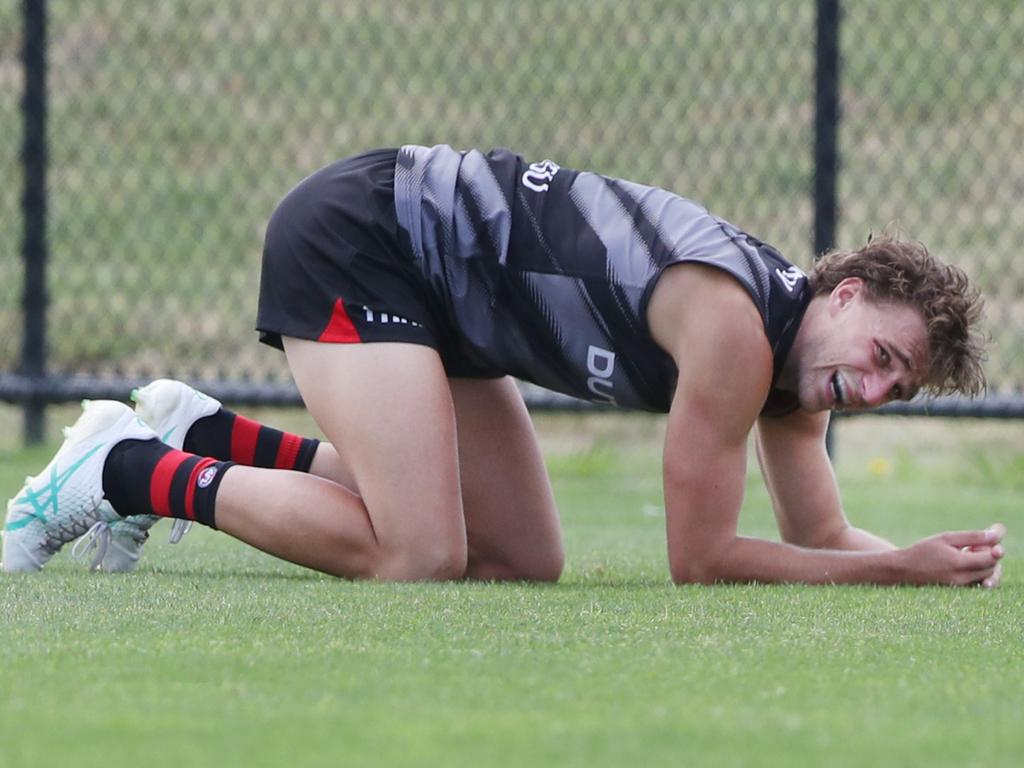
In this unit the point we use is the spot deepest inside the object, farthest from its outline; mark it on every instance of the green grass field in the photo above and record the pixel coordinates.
(176, 126)
(214, 654)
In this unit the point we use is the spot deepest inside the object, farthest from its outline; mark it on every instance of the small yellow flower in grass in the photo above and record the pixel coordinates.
(880, 467)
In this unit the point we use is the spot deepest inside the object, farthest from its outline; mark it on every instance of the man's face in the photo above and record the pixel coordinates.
(861, 354)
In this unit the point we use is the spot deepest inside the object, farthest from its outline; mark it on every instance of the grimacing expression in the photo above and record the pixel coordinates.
(862, 353)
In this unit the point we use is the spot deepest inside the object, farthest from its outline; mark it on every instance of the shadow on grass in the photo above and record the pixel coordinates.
(303, 575)
(568, 585)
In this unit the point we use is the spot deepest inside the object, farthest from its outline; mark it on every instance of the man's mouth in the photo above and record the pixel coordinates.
(838, 396)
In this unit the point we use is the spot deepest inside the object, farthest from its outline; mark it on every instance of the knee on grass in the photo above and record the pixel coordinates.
(541, 567)
(430, 561)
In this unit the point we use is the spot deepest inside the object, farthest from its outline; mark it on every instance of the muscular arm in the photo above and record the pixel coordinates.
(707, 323)
(705, 469)
(803, 488)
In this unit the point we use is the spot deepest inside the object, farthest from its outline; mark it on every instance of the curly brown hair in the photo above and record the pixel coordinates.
(903, 271)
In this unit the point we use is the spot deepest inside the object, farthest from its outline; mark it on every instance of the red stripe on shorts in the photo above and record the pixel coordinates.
(288, 451)
(340, 330)
(160, 482)
(190, 492)
(243, 440)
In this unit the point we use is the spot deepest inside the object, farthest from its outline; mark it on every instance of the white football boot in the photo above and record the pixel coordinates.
(65, 500)
(170, 408)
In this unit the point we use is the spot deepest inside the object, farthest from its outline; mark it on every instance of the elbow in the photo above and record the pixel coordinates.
(691, 570)
(706, 563)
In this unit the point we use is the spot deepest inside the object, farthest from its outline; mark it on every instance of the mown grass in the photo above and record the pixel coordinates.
(216, 654)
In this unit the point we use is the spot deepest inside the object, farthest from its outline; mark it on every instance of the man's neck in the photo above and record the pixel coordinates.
(790, 375)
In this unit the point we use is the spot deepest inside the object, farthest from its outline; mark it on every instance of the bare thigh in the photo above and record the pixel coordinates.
(387, 410)
(512, 523)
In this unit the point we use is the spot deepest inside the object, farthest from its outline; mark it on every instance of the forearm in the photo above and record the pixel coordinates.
(854, 539)
(749, 560)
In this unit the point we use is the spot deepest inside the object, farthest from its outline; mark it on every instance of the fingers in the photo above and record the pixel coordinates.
(980, 566)
(993, 581)
(989, 578)
(991, 535)
(980, 558)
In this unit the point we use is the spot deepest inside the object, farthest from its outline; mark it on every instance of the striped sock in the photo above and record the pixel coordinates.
(146, 477)
(229, 437)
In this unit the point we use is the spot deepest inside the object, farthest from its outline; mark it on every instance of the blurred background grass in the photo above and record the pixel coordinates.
(176, 126)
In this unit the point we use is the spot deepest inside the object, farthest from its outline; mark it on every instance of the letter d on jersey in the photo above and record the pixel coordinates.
(600, 366)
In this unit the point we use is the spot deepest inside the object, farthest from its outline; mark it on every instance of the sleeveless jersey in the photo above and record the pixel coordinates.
(545, 273)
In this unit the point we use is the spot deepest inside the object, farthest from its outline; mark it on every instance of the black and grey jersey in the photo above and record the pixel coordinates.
(545, 272)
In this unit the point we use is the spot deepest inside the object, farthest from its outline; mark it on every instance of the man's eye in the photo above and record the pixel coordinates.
(897, 392)
(883, 355)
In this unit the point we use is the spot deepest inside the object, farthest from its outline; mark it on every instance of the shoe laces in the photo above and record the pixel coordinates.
(96, 540)
(131, 529)
(140, 530)
(179, 529)
(61, 530)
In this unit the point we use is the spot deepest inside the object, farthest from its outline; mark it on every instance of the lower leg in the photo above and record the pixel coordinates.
(296, 516)
(229, 436)
(330, 466)
(317, 523)
(358, 394)
(304, 519)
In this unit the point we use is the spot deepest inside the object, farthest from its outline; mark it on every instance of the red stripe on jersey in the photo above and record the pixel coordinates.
(160, 482)
(190, 491)
(340, 330)
(288, 451)
(243, 440)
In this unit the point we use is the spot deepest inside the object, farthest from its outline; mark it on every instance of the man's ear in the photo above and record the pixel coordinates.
(845, 293)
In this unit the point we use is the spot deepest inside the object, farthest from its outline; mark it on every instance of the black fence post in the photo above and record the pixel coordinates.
(826, 138)
(826, 126)
(34, 245)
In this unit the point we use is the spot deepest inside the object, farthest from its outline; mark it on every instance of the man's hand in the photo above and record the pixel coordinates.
(958, 558)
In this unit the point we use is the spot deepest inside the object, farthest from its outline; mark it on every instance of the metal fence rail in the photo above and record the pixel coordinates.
(152, 140)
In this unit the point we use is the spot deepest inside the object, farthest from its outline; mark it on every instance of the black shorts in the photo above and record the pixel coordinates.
(336, 270)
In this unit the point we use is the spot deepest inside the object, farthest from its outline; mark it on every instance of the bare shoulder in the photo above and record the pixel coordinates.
(707, 322)
(692, 298)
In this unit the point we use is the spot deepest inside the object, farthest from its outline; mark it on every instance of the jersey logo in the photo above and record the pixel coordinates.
(384, 317)
(600, 366)
(790, 277)
(539, 174)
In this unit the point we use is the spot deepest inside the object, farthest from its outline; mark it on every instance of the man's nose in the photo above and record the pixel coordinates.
(876, 388)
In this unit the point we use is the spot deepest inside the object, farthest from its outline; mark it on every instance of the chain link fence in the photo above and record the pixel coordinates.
(175, 126)
(931, 136)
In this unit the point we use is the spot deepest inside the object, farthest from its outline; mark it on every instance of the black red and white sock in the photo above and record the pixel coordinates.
(147, 477)
(229, 437)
